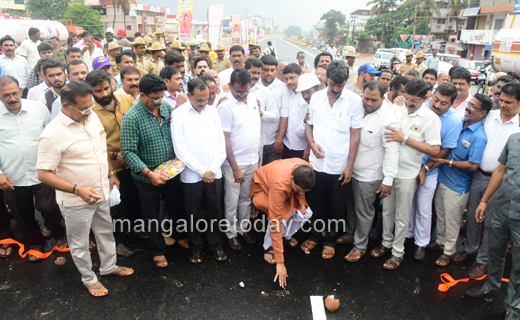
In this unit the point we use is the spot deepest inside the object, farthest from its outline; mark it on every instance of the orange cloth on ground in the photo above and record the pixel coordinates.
(272, 193)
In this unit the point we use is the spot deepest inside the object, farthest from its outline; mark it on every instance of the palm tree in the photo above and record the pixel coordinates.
(381, 6)
(423, 9)
(123, 5)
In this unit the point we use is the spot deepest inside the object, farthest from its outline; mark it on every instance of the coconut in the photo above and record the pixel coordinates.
(331, 303)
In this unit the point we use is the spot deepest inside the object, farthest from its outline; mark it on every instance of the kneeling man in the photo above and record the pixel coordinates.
(277, 188)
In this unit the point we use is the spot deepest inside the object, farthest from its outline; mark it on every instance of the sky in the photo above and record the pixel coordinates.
(303, 13)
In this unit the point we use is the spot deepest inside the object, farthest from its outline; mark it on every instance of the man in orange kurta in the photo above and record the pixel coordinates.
(277, 189)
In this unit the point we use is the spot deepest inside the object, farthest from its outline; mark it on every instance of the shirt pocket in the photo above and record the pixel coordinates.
(342, 125)
(367, 136)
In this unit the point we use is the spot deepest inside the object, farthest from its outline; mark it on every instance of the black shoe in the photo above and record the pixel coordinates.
(479, 292)
(478, 271)
(419, 253)
(249, 238)
(463, 256)
(512, 316)
(235, 244)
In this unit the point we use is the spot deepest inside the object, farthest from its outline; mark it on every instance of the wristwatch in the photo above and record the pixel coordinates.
(405, 139)
(451, 162)
(112, 173)
(427, 169)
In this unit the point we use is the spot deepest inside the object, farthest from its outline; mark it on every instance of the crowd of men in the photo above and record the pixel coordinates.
(329, 146)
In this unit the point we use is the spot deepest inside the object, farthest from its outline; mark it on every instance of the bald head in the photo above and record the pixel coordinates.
(214, 74)
(281, 65)
(499, 74)
(443, 77)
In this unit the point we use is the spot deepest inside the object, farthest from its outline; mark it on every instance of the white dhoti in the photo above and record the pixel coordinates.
(290, 226)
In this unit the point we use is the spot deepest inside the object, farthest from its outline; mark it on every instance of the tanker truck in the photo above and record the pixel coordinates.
(19, 29)
(506, 47)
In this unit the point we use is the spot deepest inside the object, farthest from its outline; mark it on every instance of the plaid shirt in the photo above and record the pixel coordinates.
(34, 79)
(144, 142)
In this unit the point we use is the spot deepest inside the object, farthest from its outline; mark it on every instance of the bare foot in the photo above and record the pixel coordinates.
(122, 272)
(97, 289)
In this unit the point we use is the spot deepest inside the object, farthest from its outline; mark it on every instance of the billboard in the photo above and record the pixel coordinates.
(185, 19)
(482, 37)
(235, 21)
(12, 4)
(215, 15)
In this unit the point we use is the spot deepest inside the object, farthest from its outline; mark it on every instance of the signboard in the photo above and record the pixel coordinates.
(214, 29)
(482, 37)
(471, 12)
(319, 28)
(235, 22)
(185, 18)
(205, 28)
(12, 4)
(155, 9)
(517, 6)
(159, 20)
(4, 15)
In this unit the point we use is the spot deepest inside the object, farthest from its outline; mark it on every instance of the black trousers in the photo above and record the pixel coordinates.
(288, 153)
(202, 202)
(130, 206)
(270, 155)
(22, 202)
(150, 197)
(5, 223)
(327, 201)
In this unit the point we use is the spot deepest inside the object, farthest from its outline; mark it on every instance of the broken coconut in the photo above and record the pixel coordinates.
(331, 303)
(60, 261)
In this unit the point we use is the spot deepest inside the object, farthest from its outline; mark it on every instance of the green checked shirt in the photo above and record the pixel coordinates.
(144, 142)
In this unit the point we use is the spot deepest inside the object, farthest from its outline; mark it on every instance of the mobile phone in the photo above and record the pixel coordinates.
(418, 180)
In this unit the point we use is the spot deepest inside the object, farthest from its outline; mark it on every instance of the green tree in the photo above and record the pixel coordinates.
(124, 5)
(293, 31)
(386, 26)
(380, 7)
(47, 9)
(333, 19)
(84, 16)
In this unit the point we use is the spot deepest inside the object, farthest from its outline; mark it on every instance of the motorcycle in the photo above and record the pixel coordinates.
(482, 81)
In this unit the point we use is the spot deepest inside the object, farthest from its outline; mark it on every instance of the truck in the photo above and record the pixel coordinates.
(506, 47)
(19, 29)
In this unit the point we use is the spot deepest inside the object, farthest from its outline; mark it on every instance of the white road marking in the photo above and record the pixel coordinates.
(300, 49)
(318, 309)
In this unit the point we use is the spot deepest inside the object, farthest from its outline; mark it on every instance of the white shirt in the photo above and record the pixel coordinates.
(267, 50)
(225, 76)
(56, 108)
(423, 126)
(332, 51)
(281, 95)
(271, 114)
(199, 37)
(376, 158)
(243, 123)
(19, 141)
(198, 141)
(497, 135)
(386, 102)
(29, 49)
(36, 93)
(17, 68)
(331, 128)
(88, 58)
(297, 110)
(461, 109)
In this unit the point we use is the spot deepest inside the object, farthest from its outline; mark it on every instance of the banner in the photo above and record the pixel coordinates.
(482, 37)
(236, 29)
(12, 4)
(215, 15)
(185, 19)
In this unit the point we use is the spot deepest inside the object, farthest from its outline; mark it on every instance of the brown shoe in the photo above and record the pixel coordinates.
(419, 253)
(463, 256)
(235, 244)
(478, 271)
(249, 238)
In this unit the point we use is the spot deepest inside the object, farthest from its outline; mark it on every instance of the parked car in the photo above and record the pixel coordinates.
(382, 60)
(468, 65)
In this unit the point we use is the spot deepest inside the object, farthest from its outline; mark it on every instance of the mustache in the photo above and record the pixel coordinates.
(134, 86)
(14, 102)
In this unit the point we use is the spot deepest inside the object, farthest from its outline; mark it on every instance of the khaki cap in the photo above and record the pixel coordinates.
(409, 53)
(220, 46)
(156, 46)
(351, 53)
(253, 42)
(177, 45)
(138, 41)
(158, 31)
(114, 45)
(204, 48)
(420, 54)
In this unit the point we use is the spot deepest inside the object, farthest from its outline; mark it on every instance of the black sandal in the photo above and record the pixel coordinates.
(7, 253)
(290, 242)
(269, 252)
(444, 258)
(196, 257)
(379, 251)
(394, 261)
(220, 255)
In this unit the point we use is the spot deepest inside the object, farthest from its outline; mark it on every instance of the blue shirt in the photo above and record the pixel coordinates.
(185, 79)
(450, 131)
(470, 147)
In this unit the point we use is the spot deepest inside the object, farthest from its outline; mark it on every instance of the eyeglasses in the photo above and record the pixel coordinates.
(472, 106)
(84, 111)
(10, 95)
(156, 100)
(410, 100)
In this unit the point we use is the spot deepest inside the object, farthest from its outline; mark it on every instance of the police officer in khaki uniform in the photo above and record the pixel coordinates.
(204, 51)
(419, 61)
(222, 62)
(142, 62)
(113, 49)
(408, 65)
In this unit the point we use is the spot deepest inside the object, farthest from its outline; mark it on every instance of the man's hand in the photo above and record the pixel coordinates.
(399, 101)
(120, 159)
(259, 108)
(114, 181)
(479, 214)
(239, 176)
(307, 117)
(422, 176)
(278, 147)
(181, 99)
(306, 153)
(208, 177)
(346, 175)
(303, 209)
(6, 184)
(394, 135)
(227, 88)
(440, 161)
(317, 150)
(384, 191)
(89, 195)
(221, 100)
(281, 274)
(156, 179)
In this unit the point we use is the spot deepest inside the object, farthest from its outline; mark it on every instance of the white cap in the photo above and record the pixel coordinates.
(307, 81)
(110, 30)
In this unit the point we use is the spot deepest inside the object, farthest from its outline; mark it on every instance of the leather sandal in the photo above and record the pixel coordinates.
(394, 262)
(350, 258)
(328, 252)
(271, 253)
(196, 257)
(220, 255)
(308, 245)
(443, 260)
(160, 261)
(379, 251)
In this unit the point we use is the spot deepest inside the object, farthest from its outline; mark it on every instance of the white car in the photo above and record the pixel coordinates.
(382, 60)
